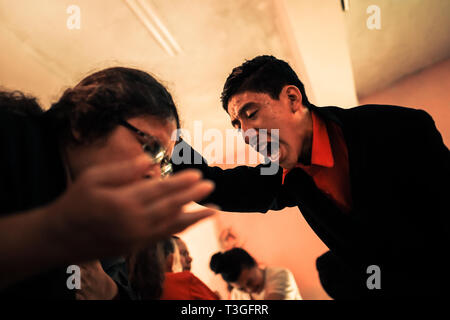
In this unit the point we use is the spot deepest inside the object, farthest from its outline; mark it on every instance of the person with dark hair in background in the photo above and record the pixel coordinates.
(181, 284)
(75, 188)
(252, 282)
(185, 257)
(18, 103)
(171, 255)
(146, 272)
(371, 181)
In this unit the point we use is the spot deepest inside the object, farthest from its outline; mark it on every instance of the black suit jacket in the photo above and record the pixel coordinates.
(399, 173)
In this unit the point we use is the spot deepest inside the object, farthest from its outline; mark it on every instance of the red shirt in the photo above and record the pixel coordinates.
(185, 286)
(329, 163)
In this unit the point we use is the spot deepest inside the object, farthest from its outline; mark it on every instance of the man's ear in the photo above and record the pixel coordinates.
(294, 95)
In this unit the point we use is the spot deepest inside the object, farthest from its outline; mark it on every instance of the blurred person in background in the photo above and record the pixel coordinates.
(185, 257)
(250, 281)
(146, 272)
(179, 284)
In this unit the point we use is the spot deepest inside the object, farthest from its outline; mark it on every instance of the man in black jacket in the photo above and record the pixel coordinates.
(371, 181)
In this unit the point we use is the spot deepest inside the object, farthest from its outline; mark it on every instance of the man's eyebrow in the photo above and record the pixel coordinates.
(244, 108)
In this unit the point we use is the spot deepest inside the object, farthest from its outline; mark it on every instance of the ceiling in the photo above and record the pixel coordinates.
(214, 37)
(41, 56)
(414, 34)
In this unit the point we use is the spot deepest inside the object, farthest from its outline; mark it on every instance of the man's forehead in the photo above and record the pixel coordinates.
(239, 100)
(245, 272)
(233, 105)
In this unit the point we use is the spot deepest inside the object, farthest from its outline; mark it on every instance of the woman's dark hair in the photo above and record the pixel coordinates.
(17, 102)
(146, 273)
(230, 263)
(263, 74)
(94, 107)
(168, 247)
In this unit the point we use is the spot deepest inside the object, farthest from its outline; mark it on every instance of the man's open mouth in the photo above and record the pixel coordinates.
(269, 149)
(267, 146)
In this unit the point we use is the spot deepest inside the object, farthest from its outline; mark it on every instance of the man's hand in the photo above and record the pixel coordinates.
(95, 283)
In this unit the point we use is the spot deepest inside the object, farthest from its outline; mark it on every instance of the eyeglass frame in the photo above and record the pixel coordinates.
(163, 160)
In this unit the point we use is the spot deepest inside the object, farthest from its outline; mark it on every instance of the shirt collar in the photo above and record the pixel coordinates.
(321, 153)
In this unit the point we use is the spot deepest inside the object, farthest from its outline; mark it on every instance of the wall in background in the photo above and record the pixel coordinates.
(427, 89)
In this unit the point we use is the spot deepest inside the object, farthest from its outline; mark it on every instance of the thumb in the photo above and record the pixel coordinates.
(122, 172)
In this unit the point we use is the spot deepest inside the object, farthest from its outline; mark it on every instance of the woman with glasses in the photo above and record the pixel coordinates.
(78, 174)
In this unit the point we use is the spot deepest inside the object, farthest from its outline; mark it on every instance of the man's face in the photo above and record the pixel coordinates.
(185, 258)
(124, 144)
(252, 110)
(251, 280)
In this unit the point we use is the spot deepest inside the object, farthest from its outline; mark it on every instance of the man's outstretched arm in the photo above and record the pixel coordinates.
(240, 189)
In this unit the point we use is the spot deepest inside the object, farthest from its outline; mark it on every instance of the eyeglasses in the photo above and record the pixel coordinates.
(153, 148)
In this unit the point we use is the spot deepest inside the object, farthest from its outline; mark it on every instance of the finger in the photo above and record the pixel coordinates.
(171, 204)
(122, 172)
(185, 220)
(181, 222)
(147, 191)
(212, 206)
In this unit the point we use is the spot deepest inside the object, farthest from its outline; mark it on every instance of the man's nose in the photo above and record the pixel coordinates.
(250, 135)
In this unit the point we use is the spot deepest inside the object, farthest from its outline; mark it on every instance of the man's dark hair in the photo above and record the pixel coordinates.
(230, 263)
(19, 103)
(262, 74)
(94, 107)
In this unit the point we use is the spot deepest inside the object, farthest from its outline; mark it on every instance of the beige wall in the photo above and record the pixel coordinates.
(427, 89)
